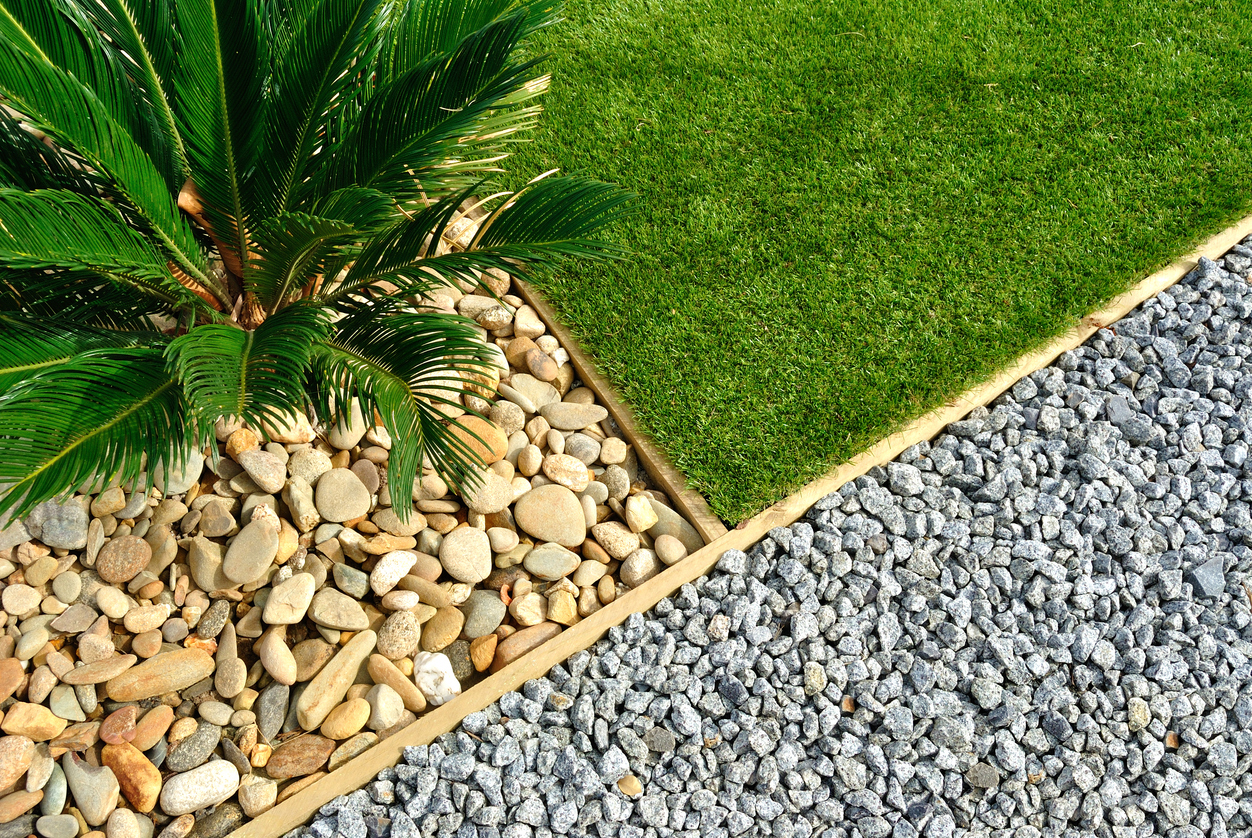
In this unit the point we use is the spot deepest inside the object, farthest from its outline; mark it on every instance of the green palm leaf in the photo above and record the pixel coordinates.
(219, 87)
(99, 414)
(420, 31)
(30, 346)
(57, 104)
(259, 375)
(143, 32)
(63, 34)
(311, 72)
(428, 132)
(28, 163)
(555, 217)
(78, 298)
(403, 364)
(550, 220)
(291, 249)
(64, 230)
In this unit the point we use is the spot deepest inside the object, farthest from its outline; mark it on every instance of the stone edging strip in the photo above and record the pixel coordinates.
(300, 807)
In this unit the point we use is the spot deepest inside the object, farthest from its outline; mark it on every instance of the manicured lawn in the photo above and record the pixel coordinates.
(850, 211)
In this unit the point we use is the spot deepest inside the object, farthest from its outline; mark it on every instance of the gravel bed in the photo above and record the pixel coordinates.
(1036, 624)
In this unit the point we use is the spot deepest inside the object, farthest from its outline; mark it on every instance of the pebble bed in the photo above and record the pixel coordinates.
(180, 660)
(1036, 624)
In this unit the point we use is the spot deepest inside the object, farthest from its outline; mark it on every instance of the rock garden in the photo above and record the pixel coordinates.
(179, 660)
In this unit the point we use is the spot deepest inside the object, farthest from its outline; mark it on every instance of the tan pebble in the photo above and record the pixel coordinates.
(426, 566)
(77, 737)
(640, 515)
(482, 651)
(240, 441)
(260, 755)
(566, 470)
(441, 523)
(529, 461)
(16, 755)
(18, 803)
(427, 591)
(353, 747)
(592, 550)
(33, 721)
(151, 590)
(181, 729)
(257, 795)
(520, 642)
(327, 689)
(300, 756)
(606, 590)
(588, 602)
(588, 574)
(311, 655)
(20, 599)
(41, 683)
(613, 451)
(346, 719)
(139, 779)
(383, 671)
(301, 784)
(400, 600)
(442, 629)
(276, 657)
(246, 699)
(41, 571)
(112, 603)
(669, 549)
(630, 786)
(152, 726)
(616, 539)
(145, 618)
(529, 609)
(563, 608)
(180, 827)
(11, 676)
(109, 501)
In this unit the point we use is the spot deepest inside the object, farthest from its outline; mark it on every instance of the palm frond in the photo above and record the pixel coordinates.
(29, 346)
(402, 365)
(394, 251)
(256, 375)
(142, 31)
(555, 217)
(418, 32)
(549, 220)
(61, 230)
(99, 414)
(219, 86)
(290, 251)
(57, 104)
(63, 34)
(28, 163)
(310, 73)
(443, 119)
(78, 298)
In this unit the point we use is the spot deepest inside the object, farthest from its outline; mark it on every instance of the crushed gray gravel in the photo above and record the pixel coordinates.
(1037, 624)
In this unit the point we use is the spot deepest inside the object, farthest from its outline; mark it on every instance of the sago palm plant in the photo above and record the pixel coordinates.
(228, 208)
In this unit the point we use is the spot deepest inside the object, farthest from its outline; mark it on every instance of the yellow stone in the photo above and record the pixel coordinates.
(630, 786)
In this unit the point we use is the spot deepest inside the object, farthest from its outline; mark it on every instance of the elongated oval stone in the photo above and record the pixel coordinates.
(329, 686)
(161, 674)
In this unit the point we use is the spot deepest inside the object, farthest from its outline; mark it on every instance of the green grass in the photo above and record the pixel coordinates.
(851, 211)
